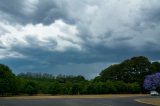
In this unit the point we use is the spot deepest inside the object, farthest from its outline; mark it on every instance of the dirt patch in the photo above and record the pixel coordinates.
(72, 96)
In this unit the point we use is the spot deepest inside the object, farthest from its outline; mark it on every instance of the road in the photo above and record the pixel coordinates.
(125, 101)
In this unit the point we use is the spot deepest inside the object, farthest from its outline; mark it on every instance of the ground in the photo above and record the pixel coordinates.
(79, 100)
(154, 100)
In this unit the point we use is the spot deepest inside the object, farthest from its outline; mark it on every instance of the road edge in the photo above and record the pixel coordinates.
(140, 101)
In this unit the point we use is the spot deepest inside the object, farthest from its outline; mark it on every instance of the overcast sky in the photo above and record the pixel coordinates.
(77, 36)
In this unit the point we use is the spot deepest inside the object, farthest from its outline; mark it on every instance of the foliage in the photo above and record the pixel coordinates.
(31, 88)
(8, 81)
(152, 82)
(126, 77)
(54, 88)
(155, 67)
(130, 71)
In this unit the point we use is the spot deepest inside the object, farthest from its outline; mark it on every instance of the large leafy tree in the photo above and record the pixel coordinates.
(113, 72)
(129, 71)
(8, 81)
(135, 69)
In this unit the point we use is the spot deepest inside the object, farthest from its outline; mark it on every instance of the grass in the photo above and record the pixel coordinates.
(72, 96)
(152, 101)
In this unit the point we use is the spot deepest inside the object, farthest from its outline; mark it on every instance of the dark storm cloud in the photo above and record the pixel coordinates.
(107, 32)
(11, 7)
(124, 38)
(46, 11)
(72, 62)
(13, 11)
(152, 14)
(93, 54)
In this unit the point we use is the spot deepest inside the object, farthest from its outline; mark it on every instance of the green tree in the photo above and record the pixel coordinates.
(129, 71)
(135, 69)
(134, 88)
(113, 73)
(31, 88)
(155, 67)
(8, 81)
(55, 88)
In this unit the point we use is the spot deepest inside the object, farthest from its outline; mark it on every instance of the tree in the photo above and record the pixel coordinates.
(8, 81)
(113, 73)
(55, 88)
(135, 69)
(152, 82)
(155, 67)
(31, 88)
(130, 71)
(134, 88)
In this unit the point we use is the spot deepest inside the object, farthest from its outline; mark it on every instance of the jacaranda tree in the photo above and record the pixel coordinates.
(152, 82)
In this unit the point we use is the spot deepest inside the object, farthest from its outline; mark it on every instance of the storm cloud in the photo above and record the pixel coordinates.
(77, 37)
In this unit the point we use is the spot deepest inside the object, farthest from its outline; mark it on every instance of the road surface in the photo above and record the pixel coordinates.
(125, 101)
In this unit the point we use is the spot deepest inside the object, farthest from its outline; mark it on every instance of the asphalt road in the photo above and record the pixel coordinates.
(125, 101)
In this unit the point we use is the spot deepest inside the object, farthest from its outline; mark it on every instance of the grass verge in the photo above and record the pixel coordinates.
(151, 101)
(73, 96)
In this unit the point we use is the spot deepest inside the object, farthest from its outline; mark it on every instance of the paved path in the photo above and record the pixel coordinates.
(125, 101)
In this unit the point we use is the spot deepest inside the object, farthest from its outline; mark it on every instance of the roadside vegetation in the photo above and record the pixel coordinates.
(124, 78)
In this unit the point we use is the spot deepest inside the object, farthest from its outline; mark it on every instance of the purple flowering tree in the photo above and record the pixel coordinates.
(152, 82)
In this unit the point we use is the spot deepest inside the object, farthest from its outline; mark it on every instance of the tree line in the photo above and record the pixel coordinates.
(125, 77)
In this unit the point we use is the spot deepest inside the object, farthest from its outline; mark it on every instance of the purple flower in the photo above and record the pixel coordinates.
(152, 82)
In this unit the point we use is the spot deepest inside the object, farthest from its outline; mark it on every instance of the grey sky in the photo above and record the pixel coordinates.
(77, 36)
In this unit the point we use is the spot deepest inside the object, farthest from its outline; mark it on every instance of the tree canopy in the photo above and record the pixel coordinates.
(129, 71)
(8, 81)
(125, 77)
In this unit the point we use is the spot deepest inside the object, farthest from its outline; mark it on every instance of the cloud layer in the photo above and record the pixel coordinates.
(77, 37)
